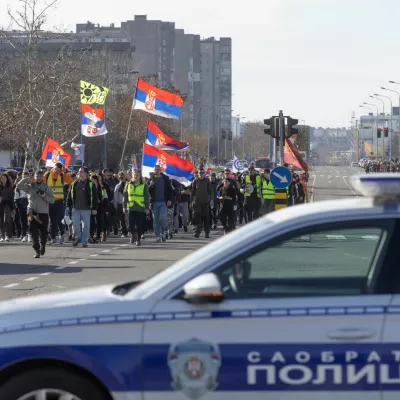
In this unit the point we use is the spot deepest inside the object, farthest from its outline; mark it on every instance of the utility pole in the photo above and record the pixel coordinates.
(282, 136)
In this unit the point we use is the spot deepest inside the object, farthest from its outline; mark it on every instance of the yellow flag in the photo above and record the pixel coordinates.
(93, 94)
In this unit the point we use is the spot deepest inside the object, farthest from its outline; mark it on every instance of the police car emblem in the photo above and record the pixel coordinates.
(194, 367)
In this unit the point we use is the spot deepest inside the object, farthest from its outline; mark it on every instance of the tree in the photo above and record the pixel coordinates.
(256, 143)
(36, 90)
(302, 138)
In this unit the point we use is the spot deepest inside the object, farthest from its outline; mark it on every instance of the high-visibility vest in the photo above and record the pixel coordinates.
(135, 194)
(258, 184)
(90, 190)
(268, 190)
(58, 187)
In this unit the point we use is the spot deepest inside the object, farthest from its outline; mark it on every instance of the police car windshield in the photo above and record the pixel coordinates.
(213, 251)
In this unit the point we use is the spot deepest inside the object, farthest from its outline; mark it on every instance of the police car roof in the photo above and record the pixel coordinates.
(258, 231)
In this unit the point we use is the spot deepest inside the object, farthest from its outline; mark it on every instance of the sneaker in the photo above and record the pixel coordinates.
(207, 236)
(7, 239)
(214, 226)
(1, 240)
(53, 241)
(42, 250)
(37, 255)
(143, 237)
(196, 235)
(24, 239)
(123, 236)
(84, 245)
(158, 240)
(75, 244)
(171, 236)
(138, 244)
(132, 240)
(185, 228)
(29, 238)
(164, 237)
(176, 231)
(61, 239)
(70, 238)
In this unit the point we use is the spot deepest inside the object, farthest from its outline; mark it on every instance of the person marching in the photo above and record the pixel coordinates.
(267, 193)
(251, 190)
(136, 201)
(56, 178)
(40, 196)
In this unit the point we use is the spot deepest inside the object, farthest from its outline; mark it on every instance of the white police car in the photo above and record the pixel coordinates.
(301, 304)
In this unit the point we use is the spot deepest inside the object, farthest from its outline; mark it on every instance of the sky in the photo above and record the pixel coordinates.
(317, 60)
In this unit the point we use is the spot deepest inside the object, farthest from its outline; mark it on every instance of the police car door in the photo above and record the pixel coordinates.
(298, 322)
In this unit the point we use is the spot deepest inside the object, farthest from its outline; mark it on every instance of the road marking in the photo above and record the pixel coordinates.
(336, 237)
(123, 245)
(313, 189)
(370, 237)
(329, 181)
(32, 278)
(322, 176)
(45, 273)
(62, 267)
(94, 255)
(107, 251)
(115, 248)
(337, 176)
(11, 285)
(72, 262)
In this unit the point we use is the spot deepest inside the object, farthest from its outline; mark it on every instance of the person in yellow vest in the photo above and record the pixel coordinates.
(136, 201)
(267, 193)
(56, 178)
(251, 188)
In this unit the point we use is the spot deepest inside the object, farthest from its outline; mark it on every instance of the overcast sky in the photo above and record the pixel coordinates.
(317, 60)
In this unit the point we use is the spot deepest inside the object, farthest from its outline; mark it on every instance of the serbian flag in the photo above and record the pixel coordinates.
(293, 157)
(172, 165)
(156, 137)
(53, 153)
(157, 101)
(92, 121)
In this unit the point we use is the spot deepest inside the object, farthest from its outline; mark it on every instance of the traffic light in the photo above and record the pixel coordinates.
(385, 132)
(291, 130)
(379, 133)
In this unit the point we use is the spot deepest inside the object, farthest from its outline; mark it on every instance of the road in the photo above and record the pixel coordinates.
(64, 268)
(333, 182)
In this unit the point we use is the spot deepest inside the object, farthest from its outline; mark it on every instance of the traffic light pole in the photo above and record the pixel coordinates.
(281, 136)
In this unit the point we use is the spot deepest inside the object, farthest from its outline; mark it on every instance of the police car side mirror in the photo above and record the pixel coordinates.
(205, 288)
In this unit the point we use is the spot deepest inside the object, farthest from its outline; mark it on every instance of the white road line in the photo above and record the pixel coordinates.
(72, 262)
(106, 251)
(313, 189)
(329, 181)
(115, 248)
(322, 176)
(45, 273)
(123, 245)
(62, 267)
(32, 278)
(337, 176)
(94, 255)
(336, 237)
(11, 285)
(370, 237)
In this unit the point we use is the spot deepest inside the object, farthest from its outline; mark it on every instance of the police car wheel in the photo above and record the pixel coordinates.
(50, 384)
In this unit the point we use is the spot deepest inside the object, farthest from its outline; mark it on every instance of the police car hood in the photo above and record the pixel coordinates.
(98, 301)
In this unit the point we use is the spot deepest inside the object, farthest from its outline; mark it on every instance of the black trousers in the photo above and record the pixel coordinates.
(56, 214)
(226, 216)
(21, 221)
(202, 217)
(252, 207)
(39, 231)
(136, 223)
(121, 219)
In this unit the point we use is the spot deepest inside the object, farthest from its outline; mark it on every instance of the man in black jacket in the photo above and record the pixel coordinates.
(160, 191)
(82, 199)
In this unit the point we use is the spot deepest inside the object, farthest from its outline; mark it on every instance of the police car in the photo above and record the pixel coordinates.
(301, 304)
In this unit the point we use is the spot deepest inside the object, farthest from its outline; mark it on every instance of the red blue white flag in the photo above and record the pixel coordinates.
(157, 101)
(156, 137)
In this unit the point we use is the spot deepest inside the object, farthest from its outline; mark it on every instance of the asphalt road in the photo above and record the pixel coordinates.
(64, 268)
(333, 182)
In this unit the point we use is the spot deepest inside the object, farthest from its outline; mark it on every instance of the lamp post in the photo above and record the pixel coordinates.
(181, 118)
(377, 115)
(391, 124)
(105, 136)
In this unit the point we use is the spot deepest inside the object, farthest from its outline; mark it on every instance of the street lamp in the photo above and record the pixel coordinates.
(377, 115)
(105, 136)
(391, 124)
(383, 103)
(183, 95)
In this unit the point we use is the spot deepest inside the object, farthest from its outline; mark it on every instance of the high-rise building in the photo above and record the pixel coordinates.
(187, 76)
(216, 90)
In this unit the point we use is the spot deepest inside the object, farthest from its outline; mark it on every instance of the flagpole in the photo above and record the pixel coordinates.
(129, 124)
(141, 167)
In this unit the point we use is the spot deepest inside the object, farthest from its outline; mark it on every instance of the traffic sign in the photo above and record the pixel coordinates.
(281, 177)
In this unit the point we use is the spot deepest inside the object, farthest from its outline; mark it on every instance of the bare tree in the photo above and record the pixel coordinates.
(37, 89)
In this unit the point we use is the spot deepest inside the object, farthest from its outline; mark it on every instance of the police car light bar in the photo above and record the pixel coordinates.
(377, 185)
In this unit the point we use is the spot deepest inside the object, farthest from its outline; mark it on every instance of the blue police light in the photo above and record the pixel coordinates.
(377, 185)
